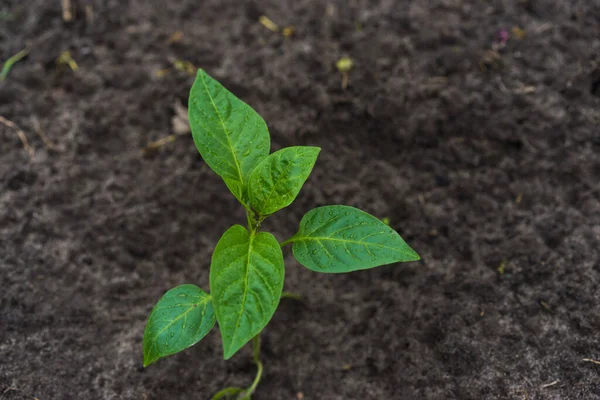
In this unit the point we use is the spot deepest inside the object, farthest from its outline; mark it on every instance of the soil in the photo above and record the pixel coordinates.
(483, 153)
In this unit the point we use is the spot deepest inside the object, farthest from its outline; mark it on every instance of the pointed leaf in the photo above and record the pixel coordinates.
(277, 180)
(238, 190)
(336, 239)
(246, 282)
(180, 319)
(231, 137)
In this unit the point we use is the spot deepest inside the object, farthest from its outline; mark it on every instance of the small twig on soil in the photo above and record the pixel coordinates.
(89, 14)
(11, 388)
(528, 145)
(501, 84)
(519, 198)
(20, 133)
(175, 37)
(67, 10)
(490, 60)
(526, 397)
(592, 361)
(456, 140)
(267, 23)
(330, 10)
(38, 129)
(152, 146)
(550, 384)
(344, 80)
(529, 89)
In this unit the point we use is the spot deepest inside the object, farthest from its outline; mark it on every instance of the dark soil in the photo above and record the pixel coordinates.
(487, 163)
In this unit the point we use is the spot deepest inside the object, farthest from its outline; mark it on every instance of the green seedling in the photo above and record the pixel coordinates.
(66, 59)
(11, 62)
(344, 65)
(246, 270)
(6, 16)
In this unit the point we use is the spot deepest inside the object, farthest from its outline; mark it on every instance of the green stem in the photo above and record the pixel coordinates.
(256, 355)
(290, 295)
(256, 348)
(290, 240)
(245, 394)
(254, 219)
(251, 220)
(11, 61)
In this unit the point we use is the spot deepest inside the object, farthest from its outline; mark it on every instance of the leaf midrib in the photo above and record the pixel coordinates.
(322, 238)
(280, 178)
(202, 302)
(237, 164)
(245, 294)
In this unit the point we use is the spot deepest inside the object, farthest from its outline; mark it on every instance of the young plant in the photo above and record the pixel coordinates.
(246, 270)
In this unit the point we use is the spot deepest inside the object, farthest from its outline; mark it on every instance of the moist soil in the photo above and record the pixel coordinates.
(484, 153)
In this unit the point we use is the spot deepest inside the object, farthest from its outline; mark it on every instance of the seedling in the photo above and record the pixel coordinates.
(66, 59)
(12, 61)
(344, 65)
(246, 271)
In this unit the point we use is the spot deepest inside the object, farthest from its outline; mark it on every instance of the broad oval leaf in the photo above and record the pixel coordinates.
(180, 319)
(336, 239)
(246, 282)
(231, 137)
(277, 180)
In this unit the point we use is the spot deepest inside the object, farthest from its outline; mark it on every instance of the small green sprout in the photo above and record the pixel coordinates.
(11, 62)
(65, 59)
(6, 16)
(344, 65)
(246, 270)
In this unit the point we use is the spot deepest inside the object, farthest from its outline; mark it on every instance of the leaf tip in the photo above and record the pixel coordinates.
(148, 360)
(230, 350)
(415, 255)
(227, 354)
(315, 150)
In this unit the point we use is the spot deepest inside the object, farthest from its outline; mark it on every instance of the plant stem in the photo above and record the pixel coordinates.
(250, 219)
(256, 348)
(254, 219)
(256, 355)
(282, 244)
(290, 295)
(11, 61)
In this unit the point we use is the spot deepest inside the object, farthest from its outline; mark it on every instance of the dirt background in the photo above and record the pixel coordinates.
(488, 164)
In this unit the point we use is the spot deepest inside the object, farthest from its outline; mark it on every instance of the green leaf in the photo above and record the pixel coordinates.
(336, 239)
(277, 180)
(228, 393)
(180, 319)
(246, 282)
(231, 137)
(238, 190)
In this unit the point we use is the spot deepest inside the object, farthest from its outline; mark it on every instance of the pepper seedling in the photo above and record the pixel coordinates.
(344, 65)
(246, 270)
